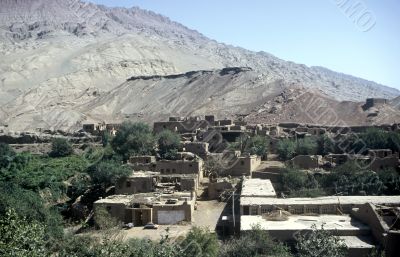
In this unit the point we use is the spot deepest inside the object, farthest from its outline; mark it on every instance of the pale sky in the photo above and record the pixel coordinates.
(313, 32)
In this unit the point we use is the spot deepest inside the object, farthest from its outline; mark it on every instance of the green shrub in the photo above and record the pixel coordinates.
(306, 146)
(286, 149)
(60, 148)
(325, 145)
(199, 242)
(256, 242)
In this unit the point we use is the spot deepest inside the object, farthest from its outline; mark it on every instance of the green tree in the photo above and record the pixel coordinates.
(20, 238)
(200, 242)
(78, 185)
(107, 173)
(319, 242)
(214, 166)
(60, 148)
(351, 179)
(375, 138)
(31, 206)
(258, 145)
(306, 146)
(133, 139)
(104, 220)
(7, 155)
(168, 144)
(240, 143)
(286, 149)
(325, 145)
(391, 181)
(394, 141)
(294, 180)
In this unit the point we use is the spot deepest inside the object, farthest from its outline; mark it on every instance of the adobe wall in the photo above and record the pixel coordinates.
(274, 176)
(143, 166)
(135, 185)
(116, 210)
(392, 245)
(372, 102)
(367, 214)
(301, 209)
(180, 167)
(189, 184)
(142, 159)
(306, 161)
(186, 126)
(186, 207)
(138, 216)
(379, 164)
(244, 166)
(198, 148)
(216, 188)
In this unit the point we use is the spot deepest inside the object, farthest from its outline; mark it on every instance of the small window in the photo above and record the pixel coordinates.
(190, 165)
(173, 170)
(147, 161)
(241, 162)
(168, 170)
(128, 184)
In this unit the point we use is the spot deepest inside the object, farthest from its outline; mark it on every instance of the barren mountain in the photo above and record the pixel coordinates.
(66, 61)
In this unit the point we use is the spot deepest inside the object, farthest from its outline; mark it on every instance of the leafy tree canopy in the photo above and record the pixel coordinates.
(168, 144)
(6, 155)
(107, 173)
(133, 139)
(20, 238)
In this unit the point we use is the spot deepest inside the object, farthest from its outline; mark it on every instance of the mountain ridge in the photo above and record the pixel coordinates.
(62, 55)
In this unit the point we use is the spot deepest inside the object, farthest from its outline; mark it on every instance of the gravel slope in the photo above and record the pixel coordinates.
(61, 58)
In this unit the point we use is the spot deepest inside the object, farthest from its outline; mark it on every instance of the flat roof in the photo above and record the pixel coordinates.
(358, 242)
(393, 200)
(139, 174)
(145, 198)
(117, 199)
(256, 187)
(136, 174)
(302, 222)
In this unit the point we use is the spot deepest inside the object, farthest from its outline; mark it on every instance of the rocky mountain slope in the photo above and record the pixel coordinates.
(65, 62)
